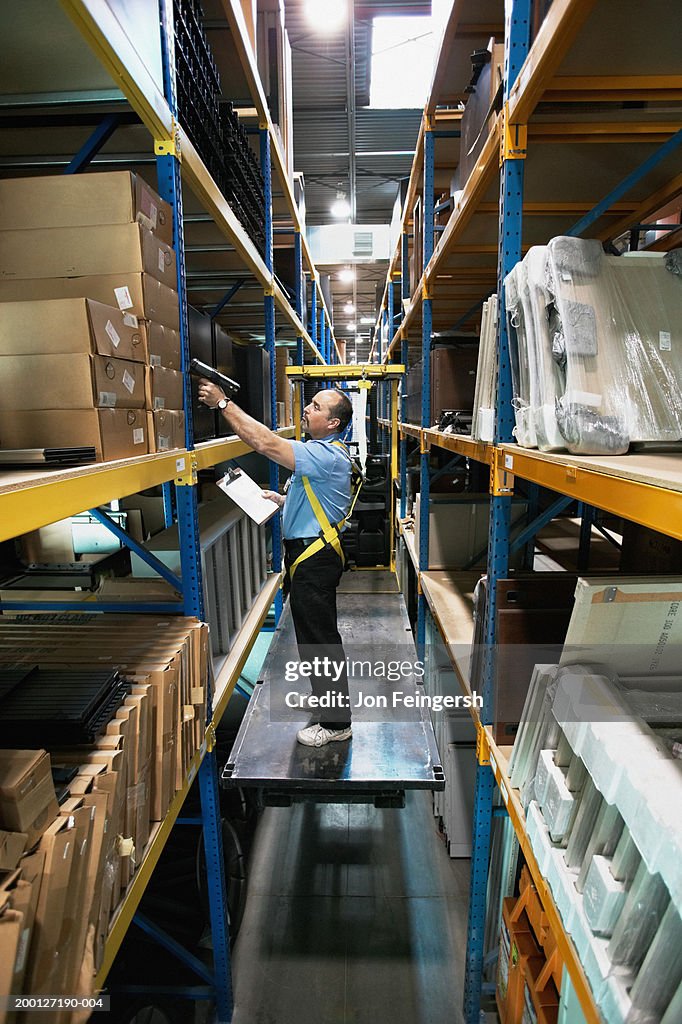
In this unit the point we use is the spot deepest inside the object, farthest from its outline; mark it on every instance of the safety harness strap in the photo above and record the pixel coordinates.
(329, 534)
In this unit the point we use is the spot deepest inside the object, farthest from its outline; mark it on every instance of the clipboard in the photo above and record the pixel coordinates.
(246, 493)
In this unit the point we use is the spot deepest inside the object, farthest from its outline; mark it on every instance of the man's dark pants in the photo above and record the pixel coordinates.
(312, 597)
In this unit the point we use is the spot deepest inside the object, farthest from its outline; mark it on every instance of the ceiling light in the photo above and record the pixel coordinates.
(340, 208)
(347, 275)
(367, 320)
(359, 338)
(349, 309)
(350, 327)
(326, 15)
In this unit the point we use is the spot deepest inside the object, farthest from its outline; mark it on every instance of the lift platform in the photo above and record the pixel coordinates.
(393, 748)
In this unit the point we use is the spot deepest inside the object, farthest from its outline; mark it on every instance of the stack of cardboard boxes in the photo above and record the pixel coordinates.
(89, 331)
(84, 852)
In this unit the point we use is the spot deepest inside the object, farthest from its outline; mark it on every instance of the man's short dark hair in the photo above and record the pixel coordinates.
(342, 409)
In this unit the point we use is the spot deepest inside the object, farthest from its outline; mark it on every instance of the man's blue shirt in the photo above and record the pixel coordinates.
(328, 468)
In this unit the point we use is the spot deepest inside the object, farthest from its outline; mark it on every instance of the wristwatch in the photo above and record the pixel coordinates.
(223, 403)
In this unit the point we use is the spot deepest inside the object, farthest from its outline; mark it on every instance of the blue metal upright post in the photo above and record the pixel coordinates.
(313, 313)
(170, 189)
(269, 300)
(404, 356)
(323, 335)
(301, 305)
(509, 253)
(427, 326)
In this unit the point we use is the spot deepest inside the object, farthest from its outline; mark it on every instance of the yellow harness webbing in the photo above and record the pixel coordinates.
(329, 534)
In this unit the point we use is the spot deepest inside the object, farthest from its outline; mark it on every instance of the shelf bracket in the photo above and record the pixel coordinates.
(186, 468)
(513, 139)
(501, 477)
(482, 746)
(169, 146)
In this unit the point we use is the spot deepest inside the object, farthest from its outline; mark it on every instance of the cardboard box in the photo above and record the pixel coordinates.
(114, 433)
(24, 895)
(77, 909)
(138, 294)
(86, 251)
(164, 388)
(71, 325)
(12, 845)
(84, 200)
(45, 957)
(166, 430)
(27, 798)
(164, 344)
(77, 381)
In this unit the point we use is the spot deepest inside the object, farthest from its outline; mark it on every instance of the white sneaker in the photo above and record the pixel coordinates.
(317, 736)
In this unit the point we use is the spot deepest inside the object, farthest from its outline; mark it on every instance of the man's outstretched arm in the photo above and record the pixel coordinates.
(255, 434)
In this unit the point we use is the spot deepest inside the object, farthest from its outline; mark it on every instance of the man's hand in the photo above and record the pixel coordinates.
(279, 499)
(210, 394)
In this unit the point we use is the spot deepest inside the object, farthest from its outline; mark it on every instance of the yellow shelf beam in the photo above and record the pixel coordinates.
(368, 371)
(644, 488)
(225, 685)
(31, 499)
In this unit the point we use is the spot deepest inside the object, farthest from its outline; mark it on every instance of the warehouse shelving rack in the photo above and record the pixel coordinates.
(30, 499)
(634, 162)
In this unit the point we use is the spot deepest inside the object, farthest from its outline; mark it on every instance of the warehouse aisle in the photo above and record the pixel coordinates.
(354, 915)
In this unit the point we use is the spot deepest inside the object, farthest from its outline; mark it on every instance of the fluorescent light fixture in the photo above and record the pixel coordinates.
(340, 208)
(350, 327)
(347, 275)
(367, 320)
(359, 338)
(349, 309)
(326, 15)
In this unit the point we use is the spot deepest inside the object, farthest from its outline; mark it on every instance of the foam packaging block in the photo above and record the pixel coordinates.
(603, 896)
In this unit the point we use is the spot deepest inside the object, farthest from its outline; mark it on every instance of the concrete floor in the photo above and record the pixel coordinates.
(354, 915)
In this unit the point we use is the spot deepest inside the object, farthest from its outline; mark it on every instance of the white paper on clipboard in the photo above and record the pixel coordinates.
(246, 493)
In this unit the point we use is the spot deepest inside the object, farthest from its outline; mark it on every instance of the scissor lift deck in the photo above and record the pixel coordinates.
(392, 749)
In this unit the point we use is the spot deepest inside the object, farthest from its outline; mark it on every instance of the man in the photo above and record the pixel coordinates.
(321, 474)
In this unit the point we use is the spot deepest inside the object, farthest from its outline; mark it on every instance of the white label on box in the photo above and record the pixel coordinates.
(163, 443)
(153, 214)
(179, 465)
(138, 435)
(107, 399)
(664, 341)
(67, 847)
(123, 298)
(128, 381)
(162, 261)
(154, 360)
(509, 462)
(131, 321)
(159, 403)
(113, 334)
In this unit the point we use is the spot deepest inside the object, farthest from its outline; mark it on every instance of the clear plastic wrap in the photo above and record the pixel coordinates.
(616, 328)
(521, 347)
(547, 377)
(483, 421)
